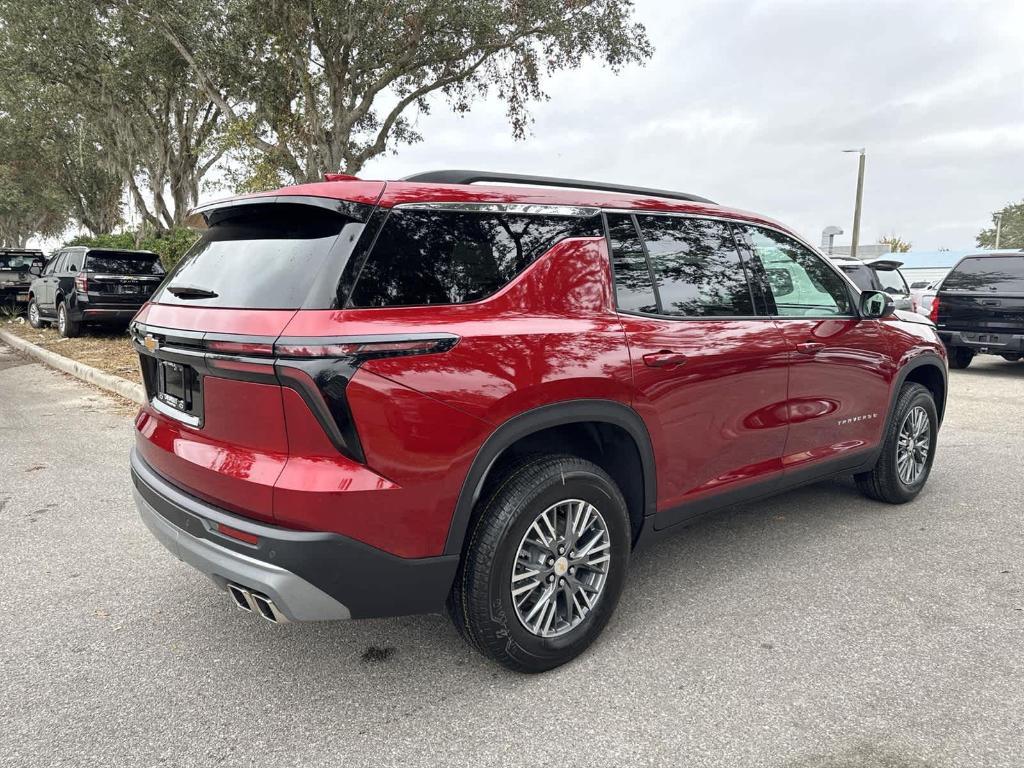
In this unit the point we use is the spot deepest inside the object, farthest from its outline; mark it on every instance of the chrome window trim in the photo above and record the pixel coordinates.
(523, 209)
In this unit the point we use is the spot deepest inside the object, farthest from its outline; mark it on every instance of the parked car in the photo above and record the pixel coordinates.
(16, 275)
(372, 398)
(979, 308)
(877, 275)
(92, 285)
(921, 297)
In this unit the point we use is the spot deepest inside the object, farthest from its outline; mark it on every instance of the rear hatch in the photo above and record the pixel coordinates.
(216, 419)
(119, 278)
(983, 295)
(14, 269)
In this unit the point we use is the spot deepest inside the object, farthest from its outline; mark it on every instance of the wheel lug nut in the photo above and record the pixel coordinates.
(561, 582)
(551, 577)
(561, 550)
(551, 561)
(572, 570)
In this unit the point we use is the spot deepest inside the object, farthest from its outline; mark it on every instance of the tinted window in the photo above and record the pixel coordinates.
(263, 257)
(862, 275)
(59, 262)
(799, 281)
(19, 262)
(697, 269)
(114, 263)
(634, 289)
(988, 273)
(447, 257)
(51, 265)
(892, 282)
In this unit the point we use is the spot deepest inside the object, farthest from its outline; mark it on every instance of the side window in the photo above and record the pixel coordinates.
(801, 283)
(58, 263)
(697, 269)
(447, 257)
(48, 269)
(634, 288)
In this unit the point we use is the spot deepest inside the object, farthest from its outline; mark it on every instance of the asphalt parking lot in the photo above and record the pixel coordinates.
(816, 629)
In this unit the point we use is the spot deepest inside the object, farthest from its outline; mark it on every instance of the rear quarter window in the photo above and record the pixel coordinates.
(424, 256)
(1003, 274)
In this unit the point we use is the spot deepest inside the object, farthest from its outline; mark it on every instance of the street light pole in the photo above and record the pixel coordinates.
(999, 226)
(857, 207)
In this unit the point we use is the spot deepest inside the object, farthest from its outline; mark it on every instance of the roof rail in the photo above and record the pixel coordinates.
(471, 177)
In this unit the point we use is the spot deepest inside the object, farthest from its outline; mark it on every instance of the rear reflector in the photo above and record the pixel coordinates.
(234, 533)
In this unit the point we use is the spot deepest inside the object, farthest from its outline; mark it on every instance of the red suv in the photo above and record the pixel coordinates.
(375, 398)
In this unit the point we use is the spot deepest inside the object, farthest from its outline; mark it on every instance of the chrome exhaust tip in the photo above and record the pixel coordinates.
(253, 602)
(242, 598)
(266, 608)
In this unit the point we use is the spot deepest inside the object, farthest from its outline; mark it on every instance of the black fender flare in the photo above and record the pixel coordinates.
(544, 417)
(927, 358)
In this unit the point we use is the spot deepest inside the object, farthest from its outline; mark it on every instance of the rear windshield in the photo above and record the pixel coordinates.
(19, 262)
(987, 273)
(262, 257)
(863, 276)
(123, 263)
(448, 257)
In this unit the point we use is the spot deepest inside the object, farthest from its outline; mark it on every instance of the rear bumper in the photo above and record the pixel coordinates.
(310, 576)
(984, 342)
(14, 293)
(98, 314)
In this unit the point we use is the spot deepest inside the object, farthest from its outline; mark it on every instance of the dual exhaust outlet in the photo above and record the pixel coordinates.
(253, 602)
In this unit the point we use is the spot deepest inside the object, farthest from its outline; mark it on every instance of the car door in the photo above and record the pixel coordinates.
(49, 283)
(841, 369)
(709, 373)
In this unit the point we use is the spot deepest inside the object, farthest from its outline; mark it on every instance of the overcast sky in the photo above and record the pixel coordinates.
(751, 103)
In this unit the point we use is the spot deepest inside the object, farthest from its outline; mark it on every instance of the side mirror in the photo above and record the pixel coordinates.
(875, 304)
(35, 269)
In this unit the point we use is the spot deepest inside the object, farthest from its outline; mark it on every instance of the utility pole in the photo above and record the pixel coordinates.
(860, 198)
(999, 226)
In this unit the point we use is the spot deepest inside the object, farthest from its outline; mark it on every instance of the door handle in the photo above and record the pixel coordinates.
(810, 347)
(664, 359)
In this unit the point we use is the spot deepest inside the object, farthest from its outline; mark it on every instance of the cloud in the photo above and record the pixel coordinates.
(750, 103)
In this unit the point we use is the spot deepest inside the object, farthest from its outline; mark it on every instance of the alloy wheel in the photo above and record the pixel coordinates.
(560, 568)
(914, 444)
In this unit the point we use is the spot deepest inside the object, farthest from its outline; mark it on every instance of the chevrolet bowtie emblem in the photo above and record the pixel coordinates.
(150, 343)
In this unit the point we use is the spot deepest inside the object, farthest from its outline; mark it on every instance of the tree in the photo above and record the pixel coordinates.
(1011, 233)
(114, 87)
(313, 86)
(896, 243)
(30, 204)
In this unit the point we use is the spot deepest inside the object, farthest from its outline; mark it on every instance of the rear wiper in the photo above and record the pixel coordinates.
(191, 292)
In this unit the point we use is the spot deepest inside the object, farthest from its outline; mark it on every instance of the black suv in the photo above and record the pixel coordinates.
(15, 274)
(979, 308)
(92, 285)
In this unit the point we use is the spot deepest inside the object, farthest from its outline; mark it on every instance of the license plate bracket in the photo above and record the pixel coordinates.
(176, 385)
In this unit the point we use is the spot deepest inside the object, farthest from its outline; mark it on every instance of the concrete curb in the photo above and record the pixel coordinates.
(126, 389)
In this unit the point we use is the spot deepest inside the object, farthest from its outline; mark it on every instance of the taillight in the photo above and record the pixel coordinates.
(257, 348)
(933, 315)
(362, 349)
(81, 282)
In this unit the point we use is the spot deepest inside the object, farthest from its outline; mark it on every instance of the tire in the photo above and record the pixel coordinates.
(67, 327)
(1011, 358)
(481, 604)
(34, 318)
(886, 482)
(960, 357)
